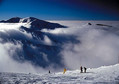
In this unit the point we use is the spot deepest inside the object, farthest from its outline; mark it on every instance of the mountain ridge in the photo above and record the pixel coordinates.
(34, 22)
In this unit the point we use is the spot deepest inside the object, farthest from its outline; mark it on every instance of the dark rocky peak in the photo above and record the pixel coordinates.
(14, 20)
(11, 20)
(40, 24)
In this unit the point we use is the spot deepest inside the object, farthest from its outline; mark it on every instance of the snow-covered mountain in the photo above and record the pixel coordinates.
(102, 75)
(33, 45)
(30, 45)
(34, 23)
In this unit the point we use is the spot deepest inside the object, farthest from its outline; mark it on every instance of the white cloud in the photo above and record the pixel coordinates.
(96, 48)
(8, 64)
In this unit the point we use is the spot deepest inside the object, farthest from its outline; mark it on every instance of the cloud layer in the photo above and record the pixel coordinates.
(79, 44)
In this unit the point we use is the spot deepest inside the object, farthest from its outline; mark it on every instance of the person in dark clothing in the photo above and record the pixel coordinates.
(49, 71)
(85, 69)
(81, 68)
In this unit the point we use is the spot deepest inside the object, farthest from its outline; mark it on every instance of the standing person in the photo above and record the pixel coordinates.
(85, 69)
(49, 71)
(81, 68)
(64, 70)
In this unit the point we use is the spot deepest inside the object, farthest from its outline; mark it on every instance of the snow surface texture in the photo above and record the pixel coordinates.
(28, 47)
(102, 75)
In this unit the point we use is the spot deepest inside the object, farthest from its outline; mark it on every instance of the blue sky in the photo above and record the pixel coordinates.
(60, 9)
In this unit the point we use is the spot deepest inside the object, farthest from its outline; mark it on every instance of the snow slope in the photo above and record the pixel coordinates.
(101, 75)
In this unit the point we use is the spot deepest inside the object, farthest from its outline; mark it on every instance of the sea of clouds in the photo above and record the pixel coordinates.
(97, 46)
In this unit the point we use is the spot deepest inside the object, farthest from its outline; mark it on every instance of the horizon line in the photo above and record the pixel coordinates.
(68, 19)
